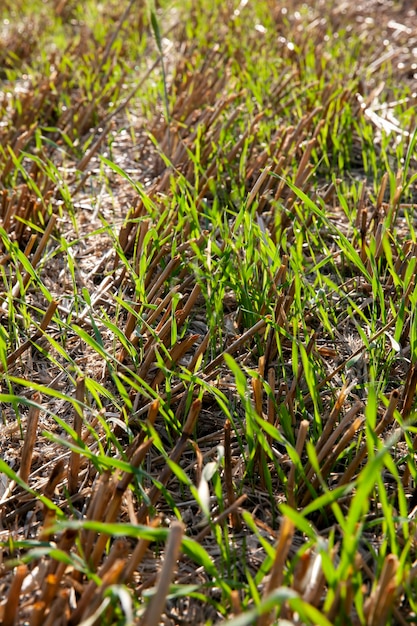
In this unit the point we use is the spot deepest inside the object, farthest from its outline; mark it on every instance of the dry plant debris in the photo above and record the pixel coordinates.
(208, 339)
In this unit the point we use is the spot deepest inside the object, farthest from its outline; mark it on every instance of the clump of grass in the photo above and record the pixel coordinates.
(208, 339)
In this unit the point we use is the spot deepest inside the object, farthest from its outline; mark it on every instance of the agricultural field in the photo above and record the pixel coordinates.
(208, 329)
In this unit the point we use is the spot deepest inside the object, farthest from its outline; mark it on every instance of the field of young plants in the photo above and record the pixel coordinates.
(208, 312)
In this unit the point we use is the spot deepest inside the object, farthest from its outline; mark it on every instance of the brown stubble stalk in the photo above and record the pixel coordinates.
(299, 446)
(345, 595)
(263, 176)
(29, 246)
(30, 437)
(381, 600)
(277, 571)
(138, 554)
(361, 454)
(131, 323)
(400, 619)
(407, 472)
(228, 477)
(17, 210)
(409, 397)
(283, 303)
(21, 139)
(186, 310)
(361, 349)
(16, 291)
(305, 168)
(210, 370)
(156, 606)
(271, 405)
(116, 500)
(379, 234)
(111, 577)
(54, 575)
(291, 146)
(157, 284)
(289, 400)
(236, 603)
(409, 391)
(59, 611)
(214, 121)
(395, 200)
(163, 329)
(175, 355)
(117, 552)
(363, 231)
(74, 462)
(153, 412)
(260, 458)
(134, 320)
(39, 609)
(176, 140)
(200, 352)
(331, 421)
(57, 474)
(130, 224)
(311, 581)
(10, 614)
(401, 265)
(329, 450)
(196, 358)
(12, 358)
(161, 337)
(175, 455)
(212, 169)
(96, 510)
(344, 442)
(139, 247)
(234, 347)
